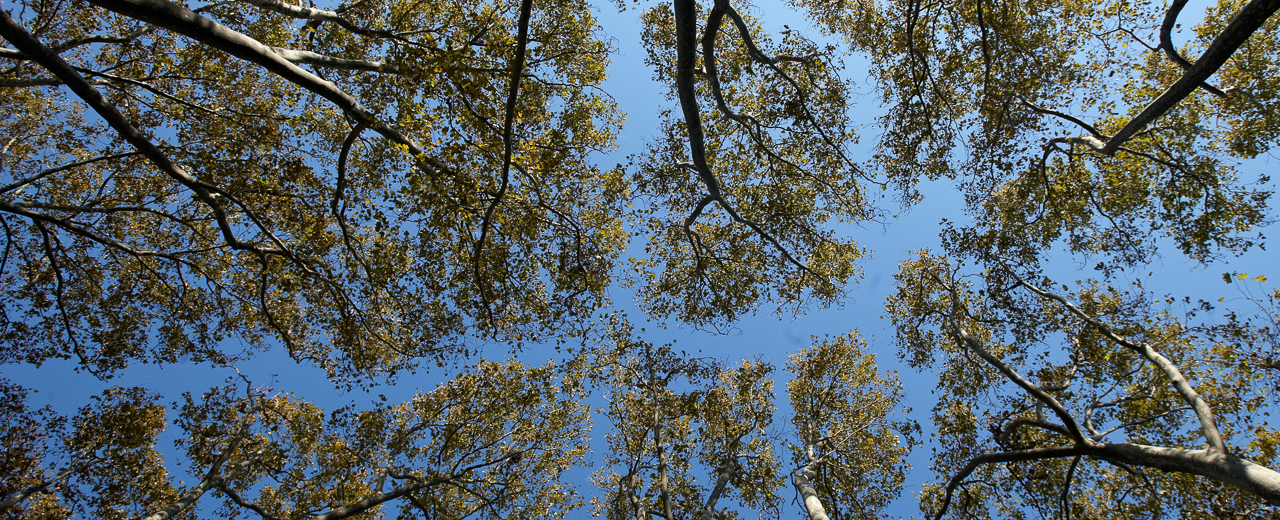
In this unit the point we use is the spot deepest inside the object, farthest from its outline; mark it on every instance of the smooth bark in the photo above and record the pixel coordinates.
(803, 481)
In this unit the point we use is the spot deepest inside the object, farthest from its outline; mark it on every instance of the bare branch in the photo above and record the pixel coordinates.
(316, 16)
(1097, 143)
(1043, 425)
(37, 82)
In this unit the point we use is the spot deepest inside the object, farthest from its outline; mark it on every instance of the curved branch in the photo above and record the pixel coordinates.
(186, 22)
(1066, 488)
(340, 185)
(686, 25)
(1245, 23)
(1056, 452)
(976, 347)
(517, 69)
(1049, 111)
(1208, 426)
(1166, 44)
(1044, 425)
(32, 47)
(23, 182)
(315, 15)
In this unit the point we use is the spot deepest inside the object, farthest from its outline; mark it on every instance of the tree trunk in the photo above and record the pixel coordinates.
(803, 481)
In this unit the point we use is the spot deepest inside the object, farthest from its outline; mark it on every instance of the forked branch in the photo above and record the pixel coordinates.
(1245, 23)
(1208, 426)
(686, 42)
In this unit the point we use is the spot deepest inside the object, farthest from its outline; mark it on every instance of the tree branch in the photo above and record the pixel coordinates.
(1245, 23)
(23, 182)
(314, 15)
(802, 479)
(181, 20)
(321, 60)
(686, 26)
(976, 347)
(517, 68)
(32, 47)
(213, 479)
(1208, 426)
(1166, 43)
(1056, 452)
(726, 471)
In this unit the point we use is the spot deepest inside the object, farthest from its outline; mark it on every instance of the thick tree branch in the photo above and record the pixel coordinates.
(37, 82)
(1166, 43)
(321, 60)
(802, 479)
(315, 15)
(1246, 22)
(213, 479)
(685, 13)
(181, 20)
(508, 142)
(726, 471)
(32, 47)
(1252, 478)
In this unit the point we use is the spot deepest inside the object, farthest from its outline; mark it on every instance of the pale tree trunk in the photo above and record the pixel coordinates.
(803, 481)
(1258, 480)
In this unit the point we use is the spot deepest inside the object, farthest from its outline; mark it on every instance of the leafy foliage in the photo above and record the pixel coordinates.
(382, 185)
(362, 256)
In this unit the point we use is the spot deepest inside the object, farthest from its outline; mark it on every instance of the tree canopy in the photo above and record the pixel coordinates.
(379, 189)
